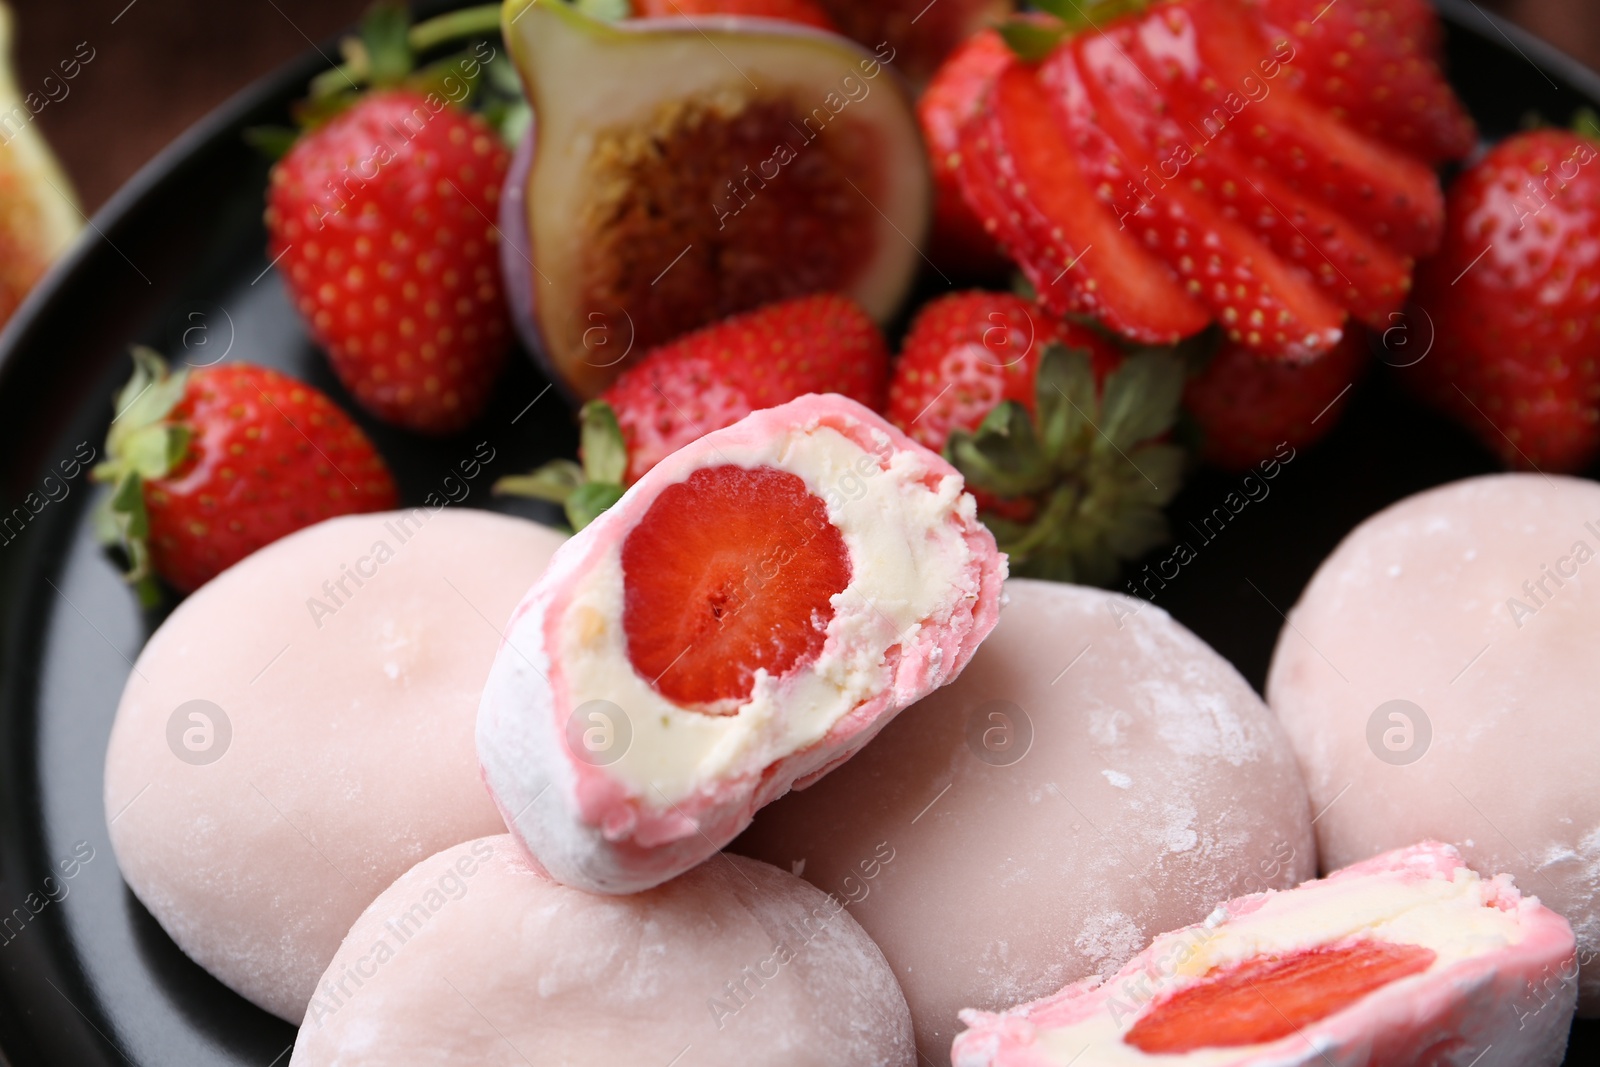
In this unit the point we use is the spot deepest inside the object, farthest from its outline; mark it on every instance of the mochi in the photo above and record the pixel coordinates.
(299, 732)
(476, 957)
(1096, 776)
(1438, 680)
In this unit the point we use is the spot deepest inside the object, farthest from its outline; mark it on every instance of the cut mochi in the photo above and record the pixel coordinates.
(298, 733)
(746, 617)
(1437, 680)
(1096, 776)
(1408, 959)
(474, 957)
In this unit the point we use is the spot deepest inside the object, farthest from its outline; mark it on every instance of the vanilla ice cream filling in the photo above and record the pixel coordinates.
(1456, 918)
(908, 561)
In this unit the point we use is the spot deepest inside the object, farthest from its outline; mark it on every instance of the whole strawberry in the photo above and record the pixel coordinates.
(209, 465)
(1060, 438)
(1514, 298)
(1248, 408)
(379, 220)
(967, 352)
(709, 379)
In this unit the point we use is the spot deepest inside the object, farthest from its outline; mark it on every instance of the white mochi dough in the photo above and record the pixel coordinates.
(473, 957)
(1478, 603)
(1098, 775)
(343, 750)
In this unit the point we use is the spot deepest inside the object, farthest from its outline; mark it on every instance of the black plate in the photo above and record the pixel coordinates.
(176, 260)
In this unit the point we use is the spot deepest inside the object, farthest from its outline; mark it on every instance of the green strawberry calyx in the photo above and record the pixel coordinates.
(1033, 38)
(384, 54)
(1094, 463)
(585, 490)
(142, 444)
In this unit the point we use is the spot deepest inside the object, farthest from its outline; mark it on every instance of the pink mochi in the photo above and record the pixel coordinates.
(473, 957)
(298, 733)
(923, 592)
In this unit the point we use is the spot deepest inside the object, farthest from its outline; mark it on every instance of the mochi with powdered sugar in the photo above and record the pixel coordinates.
(1438, 680)
(474, 957)
(1096, 776)
(298, 733)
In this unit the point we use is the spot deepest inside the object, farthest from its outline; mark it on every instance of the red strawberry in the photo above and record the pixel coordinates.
(709, 379)
(1060, 439)
(1257, 298)
(1205, 56)
(806, 12)
(1375, 63)
(1514, 298)
(380, 222)
(212, 464)
(1031, 192)
(959, 243)
(1248, 408)
(1353, 269)
(967, 352)
(698, 542)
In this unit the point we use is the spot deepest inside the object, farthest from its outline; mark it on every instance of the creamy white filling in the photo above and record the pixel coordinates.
(907, 557)
(1449, 917)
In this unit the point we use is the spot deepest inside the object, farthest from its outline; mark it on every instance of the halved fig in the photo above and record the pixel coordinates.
(681, 171)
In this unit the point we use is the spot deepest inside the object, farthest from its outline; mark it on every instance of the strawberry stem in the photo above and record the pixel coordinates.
(142, 444)
(362, 66)
(481, 21)
(584, 492)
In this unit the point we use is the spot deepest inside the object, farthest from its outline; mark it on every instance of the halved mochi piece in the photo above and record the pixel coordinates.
(680, 171)
(473, 957)
(1408, 959)
(754, 610)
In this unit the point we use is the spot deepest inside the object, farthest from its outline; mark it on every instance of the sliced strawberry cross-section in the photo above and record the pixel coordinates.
(1214, 67)
(1259, 300)
(1089, 264)
(753, 610)
(1263, 999)
(1352, 268)
(730, 572)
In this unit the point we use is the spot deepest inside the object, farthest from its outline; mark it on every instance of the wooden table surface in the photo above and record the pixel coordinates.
(158, 65)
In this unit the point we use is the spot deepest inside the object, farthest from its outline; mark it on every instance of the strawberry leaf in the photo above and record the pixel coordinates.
(1141, 398)
(584, 491)
(1093, 471)
(604, 452)
(1587, 123)
(384, 35)
(1031, 41)
(554, 482)
(589, 500)
(1064, 392)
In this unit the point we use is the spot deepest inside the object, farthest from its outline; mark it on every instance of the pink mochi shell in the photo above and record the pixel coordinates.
(1442, 1017)
(596, 834)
